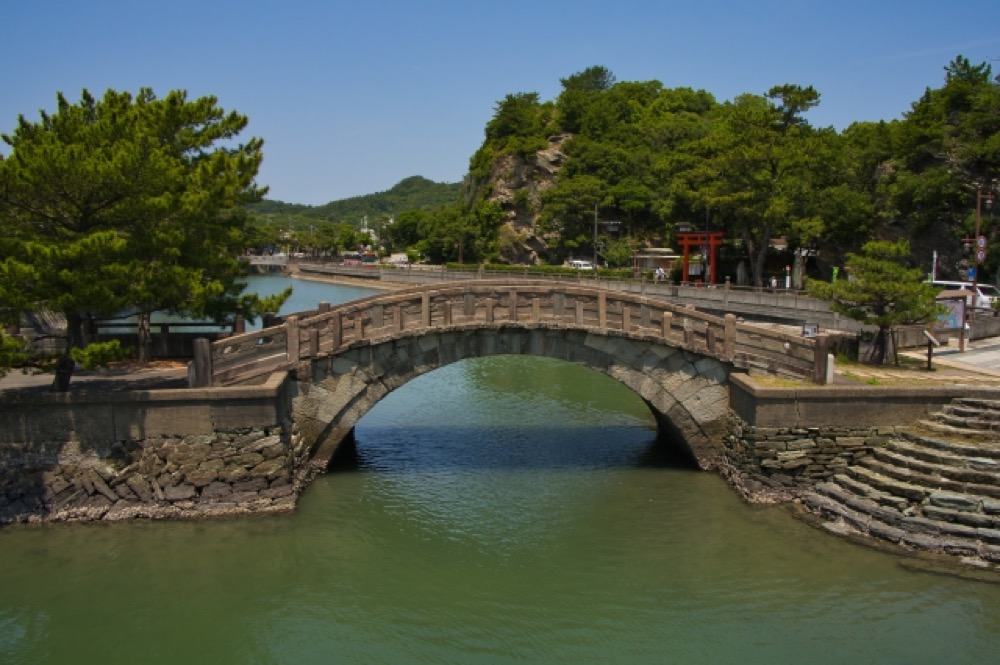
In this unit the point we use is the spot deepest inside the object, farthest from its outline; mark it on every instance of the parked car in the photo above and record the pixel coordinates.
(986, 294)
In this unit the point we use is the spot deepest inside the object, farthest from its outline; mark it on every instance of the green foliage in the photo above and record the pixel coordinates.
(13, 352)
(579, 90)
(99, 354)
(882, 290)
(946, 147)
(254, 306)
(618, 253)
(516, 116)
(126, 202)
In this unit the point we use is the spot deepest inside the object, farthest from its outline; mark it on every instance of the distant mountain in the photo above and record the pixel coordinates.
(413, 193)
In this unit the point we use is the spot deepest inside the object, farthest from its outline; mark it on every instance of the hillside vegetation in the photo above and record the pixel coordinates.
(413, 193)
(608, 167)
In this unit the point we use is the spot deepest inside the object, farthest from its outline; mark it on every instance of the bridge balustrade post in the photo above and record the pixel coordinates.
(558, 303)
(200, 369)
(324, 307)
(425, 310)
(292, 339)
(729, 335)
(313, 341)
(446, 312)
(336, 330)
(602, 310)
(512, 306)
(821, 349)
(668, 324)
(626, 318)
(536, 310)
(239, 324)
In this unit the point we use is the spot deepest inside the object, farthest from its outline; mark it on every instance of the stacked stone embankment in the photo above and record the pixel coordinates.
(934, 489)
(169, 453)
(224, 473)
(778, 464)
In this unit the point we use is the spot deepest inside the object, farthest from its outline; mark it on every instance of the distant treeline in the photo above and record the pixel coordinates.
(413, 193)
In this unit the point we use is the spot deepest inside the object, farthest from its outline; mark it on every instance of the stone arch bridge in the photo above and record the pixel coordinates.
(348, 357)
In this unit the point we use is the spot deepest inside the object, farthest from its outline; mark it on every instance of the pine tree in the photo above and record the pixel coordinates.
(881, 290)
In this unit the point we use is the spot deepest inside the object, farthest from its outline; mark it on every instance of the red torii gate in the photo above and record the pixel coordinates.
(711, 240)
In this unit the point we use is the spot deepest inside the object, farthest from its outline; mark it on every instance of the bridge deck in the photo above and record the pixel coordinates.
(490, 304)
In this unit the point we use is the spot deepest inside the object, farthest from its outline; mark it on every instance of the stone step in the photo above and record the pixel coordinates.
(987, 526)
(927, 482)
(980, 448)
(866, 491)
(862, 503)
(935, 464)
(917, 532)
(942, 429)
(978, 403)
(967, 422)
(886, 483)
(963, 410)
(917, 449)
(831, 508)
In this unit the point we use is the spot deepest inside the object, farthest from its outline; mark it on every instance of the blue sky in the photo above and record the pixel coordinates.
(352, 97)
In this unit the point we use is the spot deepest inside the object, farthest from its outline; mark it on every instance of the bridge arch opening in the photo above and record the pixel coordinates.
(509, 413)
(686, 392)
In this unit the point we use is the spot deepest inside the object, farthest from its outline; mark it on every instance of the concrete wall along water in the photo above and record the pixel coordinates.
(155, 454)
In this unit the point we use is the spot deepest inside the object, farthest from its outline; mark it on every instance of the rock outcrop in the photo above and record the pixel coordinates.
(516, 184)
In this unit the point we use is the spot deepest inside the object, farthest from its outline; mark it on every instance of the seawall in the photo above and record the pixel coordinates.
(149, 453)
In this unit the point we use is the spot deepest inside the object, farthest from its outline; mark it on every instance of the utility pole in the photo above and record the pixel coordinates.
(978, 248)
(979, 241)
(595, 236)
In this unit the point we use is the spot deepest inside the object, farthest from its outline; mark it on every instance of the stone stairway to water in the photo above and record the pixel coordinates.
(935, 487)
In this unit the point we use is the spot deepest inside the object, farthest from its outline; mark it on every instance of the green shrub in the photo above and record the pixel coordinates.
(99, 354)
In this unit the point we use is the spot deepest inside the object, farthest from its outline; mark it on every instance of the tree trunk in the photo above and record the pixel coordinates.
(64, 373)
(876, 355)
(145, 338)
(799, 270)
(74, 331)
(742, 279)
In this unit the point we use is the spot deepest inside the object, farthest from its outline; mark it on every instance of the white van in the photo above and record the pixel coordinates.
(986, 294)
(581, 265)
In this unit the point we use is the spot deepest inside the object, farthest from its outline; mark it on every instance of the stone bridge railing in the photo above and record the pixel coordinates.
(496, 304)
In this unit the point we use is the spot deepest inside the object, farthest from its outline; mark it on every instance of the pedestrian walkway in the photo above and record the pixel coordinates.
(156, 375)
(981, 356)
(978, 365)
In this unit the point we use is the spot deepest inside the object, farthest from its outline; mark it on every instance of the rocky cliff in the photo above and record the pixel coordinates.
(516, 184)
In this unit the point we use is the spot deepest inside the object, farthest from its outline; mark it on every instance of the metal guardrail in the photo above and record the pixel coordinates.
(504, 303)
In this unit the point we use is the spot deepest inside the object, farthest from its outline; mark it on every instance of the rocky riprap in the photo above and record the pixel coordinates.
(934, 488)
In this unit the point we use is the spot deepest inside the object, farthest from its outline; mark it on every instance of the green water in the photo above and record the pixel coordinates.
(502, 510)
